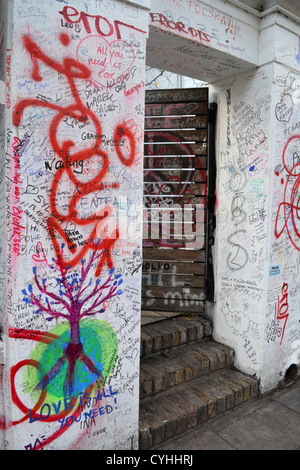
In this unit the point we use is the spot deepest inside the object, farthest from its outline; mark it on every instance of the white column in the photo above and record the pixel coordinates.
(257, 248)
(73, 135)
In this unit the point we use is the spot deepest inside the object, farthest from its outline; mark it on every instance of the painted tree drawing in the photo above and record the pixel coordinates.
(85, 350)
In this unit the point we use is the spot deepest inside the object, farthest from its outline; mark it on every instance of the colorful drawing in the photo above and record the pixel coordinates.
(77, 298)
(77, 356)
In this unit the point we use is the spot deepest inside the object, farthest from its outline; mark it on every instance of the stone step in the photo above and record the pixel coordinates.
(173, 332)
(172, 413)
(176, 366)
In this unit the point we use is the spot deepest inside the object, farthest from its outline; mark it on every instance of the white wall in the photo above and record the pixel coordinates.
(282, 323)
(201, 40)
(243, 167)
(67, 180)
(257, 295)
(258, 129)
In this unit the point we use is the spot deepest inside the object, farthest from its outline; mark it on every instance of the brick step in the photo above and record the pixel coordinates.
(179, 365)
(173, 332)
(172, 413)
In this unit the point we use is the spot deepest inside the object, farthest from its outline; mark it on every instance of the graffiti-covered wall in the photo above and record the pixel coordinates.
(242, 224)
(282, 331)
(73, 187)
(203, 40)
(4, 103)
(257, 237)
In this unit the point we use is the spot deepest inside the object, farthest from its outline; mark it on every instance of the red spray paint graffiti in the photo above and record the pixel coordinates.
(282, 307)
(72, 70)
(180, 27)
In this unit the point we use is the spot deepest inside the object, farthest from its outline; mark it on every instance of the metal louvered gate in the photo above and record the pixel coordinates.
(175, 164)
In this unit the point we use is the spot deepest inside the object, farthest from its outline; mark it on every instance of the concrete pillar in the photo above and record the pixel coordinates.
(257, 238)
(71, 194)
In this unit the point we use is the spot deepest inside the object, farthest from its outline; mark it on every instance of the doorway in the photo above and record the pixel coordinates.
(175, 193)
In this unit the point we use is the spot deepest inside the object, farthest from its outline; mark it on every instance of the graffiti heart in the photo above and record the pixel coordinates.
(284, 109)
(107, 61)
